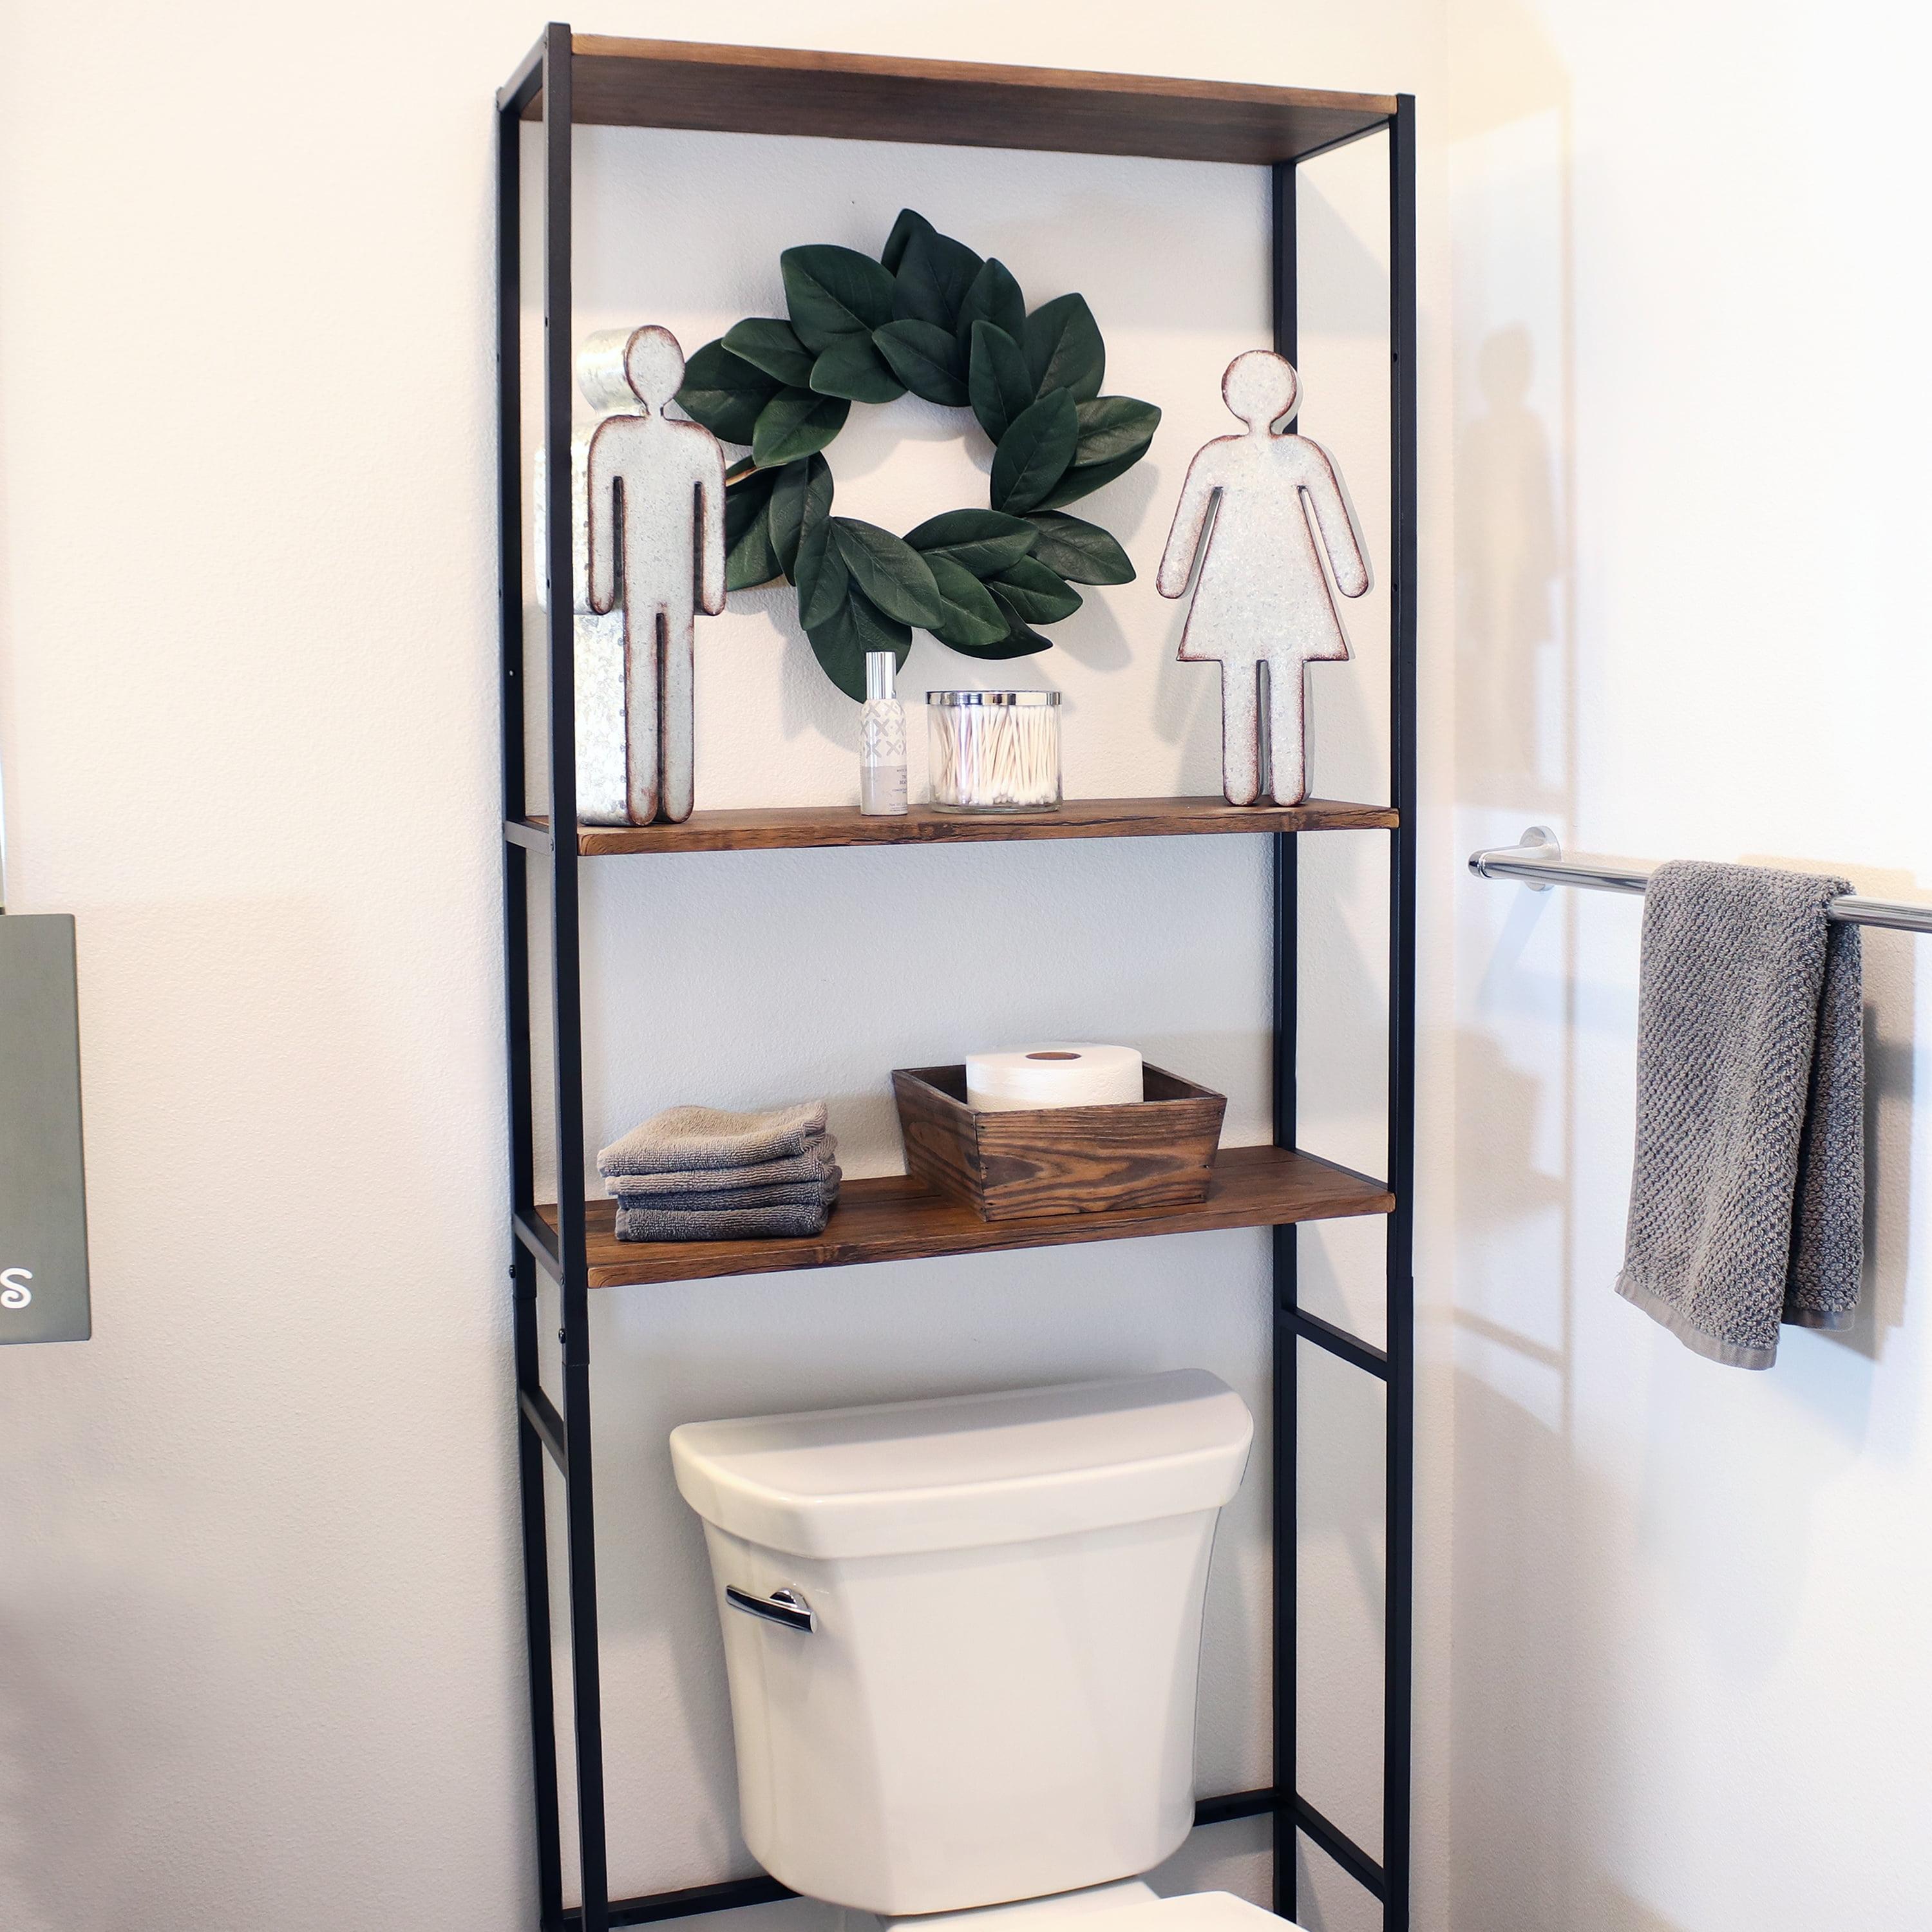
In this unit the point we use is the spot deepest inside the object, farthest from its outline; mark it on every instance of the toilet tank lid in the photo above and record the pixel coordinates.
(961, 1471)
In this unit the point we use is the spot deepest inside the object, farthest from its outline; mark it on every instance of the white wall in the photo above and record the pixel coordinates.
(1690, 1687)
(259, 1605)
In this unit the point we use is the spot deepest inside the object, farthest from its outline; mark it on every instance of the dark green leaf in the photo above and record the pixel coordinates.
(793, 424)
(889, 571)
(724, 392)
(1085, 479)
(801, 497)
(822, 577)
(841, 642)
(1033, 454)
(909, 222)
(983, 542)
(932, 279)
(1019, 641)
(971, 620)
(1081, 553)
(1111, 426)
(998, 382)
(1040, 596)
(771, 345)
(1114, 433)
(1064, 349)
(994, 297)
(925, 359)
(853, 367)
(749, 559)
(832, 291)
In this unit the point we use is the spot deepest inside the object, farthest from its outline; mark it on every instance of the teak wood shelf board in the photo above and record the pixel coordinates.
(790, 828)
(688, 84)
(894, 1219)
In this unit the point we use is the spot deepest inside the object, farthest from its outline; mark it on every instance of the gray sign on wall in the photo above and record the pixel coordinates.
(43, 1189)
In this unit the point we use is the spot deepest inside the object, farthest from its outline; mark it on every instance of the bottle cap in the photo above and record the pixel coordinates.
(880, 666)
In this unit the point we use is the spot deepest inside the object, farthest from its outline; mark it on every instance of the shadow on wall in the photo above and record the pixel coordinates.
(1519, 1608)
(1618, 1912)
(1511, 566)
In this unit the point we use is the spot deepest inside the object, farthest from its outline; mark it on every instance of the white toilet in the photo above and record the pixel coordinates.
(962, 1639)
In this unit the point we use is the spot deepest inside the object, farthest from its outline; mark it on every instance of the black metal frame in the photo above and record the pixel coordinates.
(565, 1436)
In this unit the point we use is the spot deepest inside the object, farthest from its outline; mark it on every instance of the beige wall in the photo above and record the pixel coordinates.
(258, 1598)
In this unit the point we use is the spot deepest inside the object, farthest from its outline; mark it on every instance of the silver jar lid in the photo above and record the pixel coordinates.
(956, 697)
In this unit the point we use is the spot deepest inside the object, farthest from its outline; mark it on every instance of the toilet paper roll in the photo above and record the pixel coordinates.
(1060, 1073)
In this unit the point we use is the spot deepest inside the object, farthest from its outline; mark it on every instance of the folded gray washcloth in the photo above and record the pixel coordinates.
(784, 1194)
(681, 1138)
(1748, 1197)
(812, 1164)
(655, 1223)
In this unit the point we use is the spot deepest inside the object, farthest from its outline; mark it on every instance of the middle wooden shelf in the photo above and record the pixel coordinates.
(893, 1218)
(795, 827)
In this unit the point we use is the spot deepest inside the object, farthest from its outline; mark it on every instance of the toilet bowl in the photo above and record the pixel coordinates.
(961, 1638)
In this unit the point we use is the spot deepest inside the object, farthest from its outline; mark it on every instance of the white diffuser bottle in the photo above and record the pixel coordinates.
(882, 742)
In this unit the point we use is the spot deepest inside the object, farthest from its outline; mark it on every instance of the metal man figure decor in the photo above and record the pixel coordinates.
(654, 498)
(1262, 599)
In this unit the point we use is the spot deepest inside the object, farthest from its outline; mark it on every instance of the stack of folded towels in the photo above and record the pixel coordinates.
(700, 1173)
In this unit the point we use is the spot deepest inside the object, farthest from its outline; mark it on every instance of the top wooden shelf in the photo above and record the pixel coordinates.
(688, 84)
(789, 828)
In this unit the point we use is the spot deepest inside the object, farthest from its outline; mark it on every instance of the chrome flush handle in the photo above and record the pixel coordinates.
(782, 1607)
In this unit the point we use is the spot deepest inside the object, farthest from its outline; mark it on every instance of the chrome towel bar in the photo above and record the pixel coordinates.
(1536, 859)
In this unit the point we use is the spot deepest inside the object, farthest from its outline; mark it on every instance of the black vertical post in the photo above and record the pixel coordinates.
(1283, 296)
(510, 632)
(517, 993)
(586, 1703)
(536, 1609)
(1400, 1471)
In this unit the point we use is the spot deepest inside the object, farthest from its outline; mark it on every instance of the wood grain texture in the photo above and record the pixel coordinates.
(1031, 1162)
(789, 828)
(637, 83)
(894, 1219)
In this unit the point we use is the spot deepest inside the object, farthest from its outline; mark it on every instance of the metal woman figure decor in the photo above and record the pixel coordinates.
(1249, 513)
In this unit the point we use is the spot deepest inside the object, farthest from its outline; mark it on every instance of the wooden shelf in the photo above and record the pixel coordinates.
(789, 828)
(894, 1219)
(630, 83)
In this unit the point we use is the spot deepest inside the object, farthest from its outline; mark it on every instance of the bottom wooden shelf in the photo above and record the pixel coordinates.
(893, 1219)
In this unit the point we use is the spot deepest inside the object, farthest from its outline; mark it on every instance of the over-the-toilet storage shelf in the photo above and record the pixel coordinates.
(568, 1246)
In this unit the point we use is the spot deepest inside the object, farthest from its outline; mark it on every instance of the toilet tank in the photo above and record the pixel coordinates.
(994, 1699)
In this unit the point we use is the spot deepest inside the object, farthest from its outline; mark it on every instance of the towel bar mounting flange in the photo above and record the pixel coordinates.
(1536, 859)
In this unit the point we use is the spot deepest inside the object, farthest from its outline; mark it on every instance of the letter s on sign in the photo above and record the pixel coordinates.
(14, 1292)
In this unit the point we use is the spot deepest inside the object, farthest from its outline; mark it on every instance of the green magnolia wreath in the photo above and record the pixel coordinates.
(928, 316)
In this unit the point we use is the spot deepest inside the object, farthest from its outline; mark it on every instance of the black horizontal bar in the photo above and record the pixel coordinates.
(541, 1244)
(513, 96)
(1338, 1342)
(532, 838)
(1353, 1173)
(1339, 1847)
(1235, 1804)
(1385, 126)
(737, 1891)
(693, 1899)
(540, 1412)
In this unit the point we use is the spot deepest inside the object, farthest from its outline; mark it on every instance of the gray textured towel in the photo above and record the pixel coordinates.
(666, 1224)
(1748, 1197)
(709, 1137)
(783, 1194)
(813, 1163)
